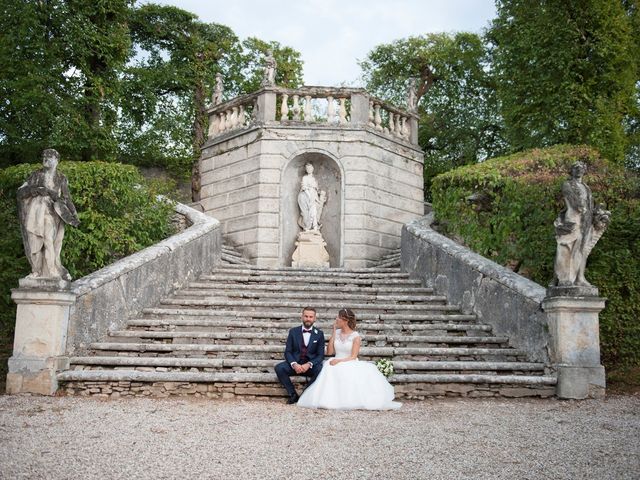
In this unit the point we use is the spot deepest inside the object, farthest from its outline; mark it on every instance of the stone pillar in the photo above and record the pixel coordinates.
(40, 340)
(359, 109)
(574, 328)
(413, 130)
(266, 106)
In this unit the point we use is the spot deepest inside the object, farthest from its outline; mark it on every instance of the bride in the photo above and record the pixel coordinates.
(344, 382)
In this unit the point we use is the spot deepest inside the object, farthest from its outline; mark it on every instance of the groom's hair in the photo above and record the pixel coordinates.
(308, 309)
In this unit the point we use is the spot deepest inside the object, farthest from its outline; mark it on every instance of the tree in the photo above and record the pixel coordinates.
(61, 61)
(169, 83)
(459, 121)
(33, 85)
(566, 72)
(632, 122)
(246, 66)
(178, 58)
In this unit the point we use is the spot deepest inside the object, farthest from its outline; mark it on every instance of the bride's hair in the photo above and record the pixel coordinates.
(348, 315)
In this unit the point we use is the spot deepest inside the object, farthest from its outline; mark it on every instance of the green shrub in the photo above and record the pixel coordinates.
(119, 215)
(513, 226)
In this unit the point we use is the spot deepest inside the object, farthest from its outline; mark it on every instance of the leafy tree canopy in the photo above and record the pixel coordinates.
(567, 72)
(112, 80)
(459, 120)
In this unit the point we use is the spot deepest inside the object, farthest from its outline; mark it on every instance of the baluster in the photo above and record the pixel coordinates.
(254, 110)
(398, 128)
(242, 118)
(343, 111)
(223, 121)
(331, 110)
(377, 117)
(284, 108)
(307, 109)
(392, 126)
(214, 126)
(371, 116)
(405, 128)
(234, 118)
(296, 108)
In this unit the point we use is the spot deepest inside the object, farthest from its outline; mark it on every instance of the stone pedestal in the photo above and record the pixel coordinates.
(40, 340)
(574, 329)
(310, 251)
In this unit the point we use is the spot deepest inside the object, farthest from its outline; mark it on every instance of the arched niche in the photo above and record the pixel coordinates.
(329, 177)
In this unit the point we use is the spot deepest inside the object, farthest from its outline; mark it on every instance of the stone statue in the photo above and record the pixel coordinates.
(412, 95)
(578, 227)
(310, 201)
(269, 75)
(216, 98)
(44, 207)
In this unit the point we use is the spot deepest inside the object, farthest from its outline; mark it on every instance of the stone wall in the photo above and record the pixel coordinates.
(106, 298)
(508, 302)
(271, 391)
(244, 186)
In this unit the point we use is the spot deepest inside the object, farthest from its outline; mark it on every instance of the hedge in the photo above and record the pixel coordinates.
(504, 209)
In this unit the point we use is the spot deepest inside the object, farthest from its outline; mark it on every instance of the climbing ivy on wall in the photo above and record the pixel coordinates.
(504, 209)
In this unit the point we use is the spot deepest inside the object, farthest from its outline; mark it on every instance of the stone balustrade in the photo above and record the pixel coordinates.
(232, 115)
(331, 106)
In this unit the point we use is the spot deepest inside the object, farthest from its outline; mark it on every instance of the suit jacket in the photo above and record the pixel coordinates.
(315, 348)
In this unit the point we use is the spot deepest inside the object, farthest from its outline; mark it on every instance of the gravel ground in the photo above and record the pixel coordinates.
(85, 438)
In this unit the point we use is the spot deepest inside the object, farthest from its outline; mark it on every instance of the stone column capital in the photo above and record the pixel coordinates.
(24, 296)
(573, 304)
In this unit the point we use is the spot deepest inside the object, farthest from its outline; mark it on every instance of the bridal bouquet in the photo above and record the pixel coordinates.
(385, 366)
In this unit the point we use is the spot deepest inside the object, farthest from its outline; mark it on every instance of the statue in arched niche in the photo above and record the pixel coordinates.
(311, 201)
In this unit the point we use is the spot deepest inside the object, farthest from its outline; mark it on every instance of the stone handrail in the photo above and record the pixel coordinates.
(232, 115)
(107, 297)
(508, 302)
(333, 106)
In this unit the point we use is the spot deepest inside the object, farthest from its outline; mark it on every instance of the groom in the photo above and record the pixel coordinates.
(303, 354)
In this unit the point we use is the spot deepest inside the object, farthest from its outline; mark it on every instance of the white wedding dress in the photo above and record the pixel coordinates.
(349, 385)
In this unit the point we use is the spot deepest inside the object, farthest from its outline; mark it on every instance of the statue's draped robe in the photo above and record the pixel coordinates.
(308, 202)
(573, 232)
(43, 220)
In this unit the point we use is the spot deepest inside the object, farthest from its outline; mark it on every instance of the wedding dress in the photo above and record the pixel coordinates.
(349, 385)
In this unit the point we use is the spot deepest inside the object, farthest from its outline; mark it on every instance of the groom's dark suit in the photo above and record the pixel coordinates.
(297, 352)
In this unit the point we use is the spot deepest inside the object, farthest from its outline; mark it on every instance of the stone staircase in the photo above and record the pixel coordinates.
(222, 334)
(231, 256)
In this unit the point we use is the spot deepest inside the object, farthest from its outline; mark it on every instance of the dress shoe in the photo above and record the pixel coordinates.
(293, 399)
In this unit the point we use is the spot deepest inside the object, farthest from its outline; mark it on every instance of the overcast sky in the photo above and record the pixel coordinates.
(332, 35)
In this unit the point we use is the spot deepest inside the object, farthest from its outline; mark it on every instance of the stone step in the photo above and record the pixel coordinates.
(277, 349)
(279, 287)
(311, 272)
(264, 325)
(231, 251)
(242, 377)
(176, 313)
(291, 296)
(389, 263)
(279, 338)
(404, 282)
(225, 257)
(324, 307)
(218, 363)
